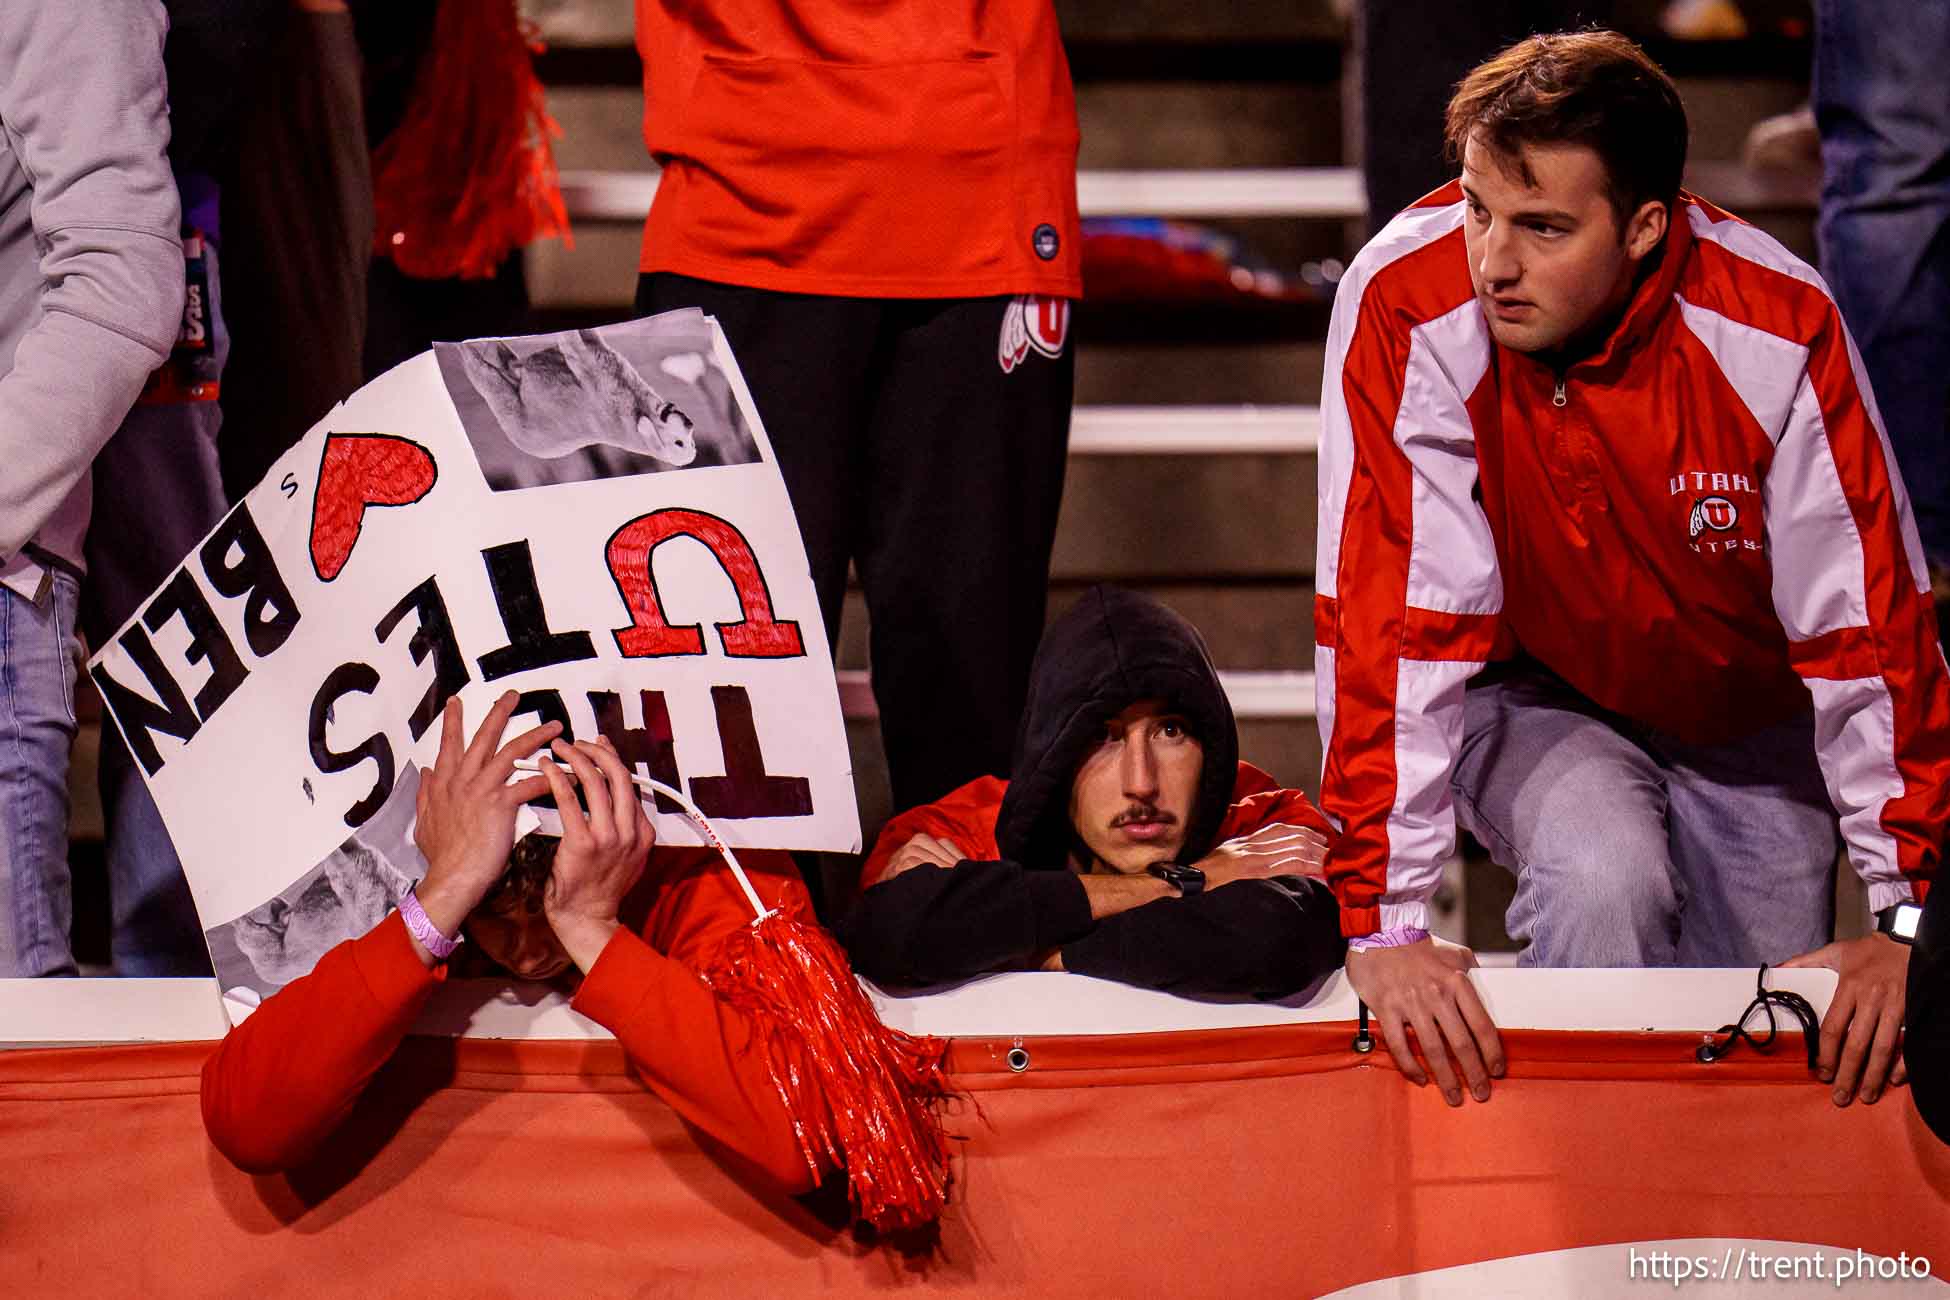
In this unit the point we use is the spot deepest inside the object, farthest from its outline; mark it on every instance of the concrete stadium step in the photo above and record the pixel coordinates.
(1250, 626)
(624, 195)
(1193, 430)
(1276, 696)
(1228, 516)
(1234, 520)
(1177, 371)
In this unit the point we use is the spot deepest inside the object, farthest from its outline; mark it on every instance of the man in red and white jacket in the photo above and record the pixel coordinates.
(1599, 434)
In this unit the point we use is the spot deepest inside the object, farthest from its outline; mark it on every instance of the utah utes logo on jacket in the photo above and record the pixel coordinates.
(1033, 321)
(1716, 513)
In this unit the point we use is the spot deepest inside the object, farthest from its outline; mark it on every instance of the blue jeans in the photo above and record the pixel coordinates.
(37, 726)
(1631, 848)
(1882, 102)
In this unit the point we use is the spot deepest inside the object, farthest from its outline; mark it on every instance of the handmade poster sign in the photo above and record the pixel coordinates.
(593, 519)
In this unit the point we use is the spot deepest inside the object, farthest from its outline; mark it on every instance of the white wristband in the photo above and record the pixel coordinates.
(423, 928)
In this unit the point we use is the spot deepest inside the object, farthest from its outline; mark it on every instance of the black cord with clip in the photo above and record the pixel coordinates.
(1765, 999)
(1363, 1040)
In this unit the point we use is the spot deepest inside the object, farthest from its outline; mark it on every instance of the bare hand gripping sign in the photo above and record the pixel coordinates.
(593, 519)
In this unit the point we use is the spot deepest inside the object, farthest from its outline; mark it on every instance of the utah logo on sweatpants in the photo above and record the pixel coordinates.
(1033, 322)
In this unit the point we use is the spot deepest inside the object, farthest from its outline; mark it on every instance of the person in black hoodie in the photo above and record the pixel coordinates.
(1131, 842)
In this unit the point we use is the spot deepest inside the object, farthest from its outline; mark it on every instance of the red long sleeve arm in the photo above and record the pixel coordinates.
(1408, 592)
(966, 816)
(284, 1079)
(1852, 591)
(694, 1051)
(278, 1084)
(1259, 801)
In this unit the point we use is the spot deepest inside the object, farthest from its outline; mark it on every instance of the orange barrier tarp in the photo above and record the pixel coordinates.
(1266, 1161)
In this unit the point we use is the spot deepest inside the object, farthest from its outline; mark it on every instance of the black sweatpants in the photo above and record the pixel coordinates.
(1926, 1029)
(909, 450)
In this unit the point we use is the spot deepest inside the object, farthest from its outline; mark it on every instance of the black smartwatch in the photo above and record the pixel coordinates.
(1187, 880)
(1900, 922)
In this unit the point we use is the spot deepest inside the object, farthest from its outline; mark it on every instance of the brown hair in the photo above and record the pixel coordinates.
(522, 886)
(1593, 88)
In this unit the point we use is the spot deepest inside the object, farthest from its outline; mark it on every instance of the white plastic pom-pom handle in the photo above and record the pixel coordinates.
(696, 818)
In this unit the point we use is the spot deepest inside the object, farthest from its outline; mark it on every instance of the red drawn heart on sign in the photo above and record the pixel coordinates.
(360, 470)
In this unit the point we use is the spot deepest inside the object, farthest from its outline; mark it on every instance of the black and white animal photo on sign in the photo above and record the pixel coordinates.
(596, 403)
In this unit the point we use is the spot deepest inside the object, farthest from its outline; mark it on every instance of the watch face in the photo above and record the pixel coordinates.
(1187, 880)
(1908, 918)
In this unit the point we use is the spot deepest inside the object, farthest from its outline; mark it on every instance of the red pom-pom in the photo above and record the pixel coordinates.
(860, 1094)
(469, 176)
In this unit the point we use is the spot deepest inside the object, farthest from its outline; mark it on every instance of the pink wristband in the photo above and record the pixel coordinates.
(423, 928)
(1399, 937)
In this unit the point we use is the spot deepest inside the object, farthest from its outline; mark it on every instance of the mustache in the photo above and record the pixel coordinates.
(1143, 812)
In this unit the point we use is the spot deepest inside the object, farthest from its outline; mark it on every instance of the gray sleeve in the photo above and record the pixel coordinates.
(84, 107)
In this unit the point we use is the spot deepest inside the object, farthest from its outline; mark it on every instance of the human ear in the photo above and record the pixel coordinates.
(1646, 229)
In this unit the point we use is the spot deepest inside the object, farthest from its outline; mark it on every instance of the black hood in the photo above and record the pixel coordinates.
(1113, 648)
